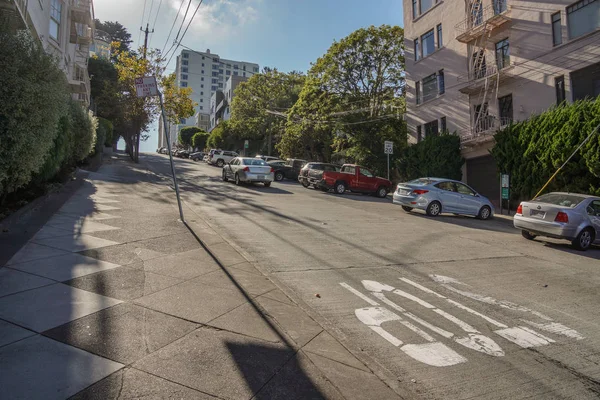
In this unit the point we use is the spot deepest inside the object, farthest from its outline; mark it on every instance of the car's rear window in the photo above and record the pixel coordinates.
(560, 199)
(256, 161)
(422, 181)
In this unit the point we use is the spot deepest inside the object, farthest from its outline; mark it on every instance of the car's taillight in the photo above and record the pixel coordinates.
(561, 217)
(272, 169)
(520, 209)
(246, 169)
(420, 191)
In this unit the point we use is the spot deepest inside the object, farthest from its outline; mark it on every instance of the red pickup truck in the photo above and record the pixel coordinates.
(355, 179)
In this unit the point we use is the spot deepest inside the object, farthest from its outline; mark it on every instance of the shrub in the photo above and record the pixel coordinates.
(186, 134)
(33, 94)
(199, 140)
(106, 128)
(84, 131)
(435, 156)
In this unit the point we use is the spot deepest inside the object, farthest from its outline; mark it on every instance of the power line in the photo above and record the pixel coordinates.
(142, 23)
(155, 19)
(183, 20)
(172, 26)
(186, 29)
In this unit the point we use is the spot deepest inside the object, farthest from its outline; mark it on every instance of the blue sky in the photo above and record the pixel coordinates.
(286, 34)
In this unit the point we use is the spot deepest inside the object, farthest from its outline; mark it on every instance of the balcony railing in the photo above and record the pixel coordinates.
(484, 127)
(82, 11)
(490, 16)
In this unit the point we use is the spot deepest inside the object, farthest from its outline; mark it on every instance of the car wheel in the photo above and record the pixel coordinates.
(267, 184)
(305, 183)
(382, 192)
(584, 240)
(278, 176)
(237, 179)
(224, 176)
(220, 163)
(340, 188)
(527, 235)
(407, 208)
(484, 213)
(434, 209)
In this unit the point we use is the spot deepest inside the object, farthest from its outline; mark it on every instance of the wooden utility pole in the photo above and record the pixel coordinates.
(146, 32)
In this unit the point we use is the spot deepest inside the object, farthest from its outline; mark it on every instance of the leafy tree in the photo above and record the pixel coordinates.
(33, 94)
(435, 156)
(186, 134)
(84, 126)
(107, 129)
(177, 100)
(117, 32)
(199, 140)
(222, 137)
(255, 101)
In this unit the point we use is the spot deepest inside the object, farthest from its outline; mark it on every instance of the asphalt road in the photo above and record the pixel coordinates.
(452, 307)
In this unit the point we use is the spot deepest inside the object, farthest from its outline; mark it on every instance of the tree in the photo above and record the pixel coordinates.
(222, 137)
(352, 100)
(436, 155)
(186, 134)
(107, 100)
(117, 32)
(255, 101)
(199, 140)
(34, 95)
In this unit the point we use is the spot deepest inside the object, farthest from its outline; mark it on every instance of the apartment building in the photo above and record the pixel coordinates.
(206, 73)
(65, 29)
(220, 102)
(473, 66)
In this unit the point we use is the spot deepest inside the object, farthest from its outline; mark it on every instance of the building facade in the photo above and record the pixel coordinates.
(206, 73)
(65, 29)
(220, 102)
(474, 66)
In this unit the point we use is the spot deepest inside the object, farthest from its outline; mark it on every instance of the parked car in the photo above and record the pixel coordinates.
(222, 157)
(267, 158)
(249, 170)
(160, 150)
(570, 216)
(312, 173)
(209, 155)
(355, 179)
(199, 155)
(296, 165)
(282, 170)
(439, 195)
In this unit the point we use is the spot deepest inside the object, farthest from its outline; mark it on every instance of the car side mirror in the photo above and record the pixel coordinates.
(477, 195)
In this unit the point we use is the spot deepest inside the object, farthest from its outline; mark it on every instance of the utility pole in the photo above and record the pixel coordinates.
(146, 32)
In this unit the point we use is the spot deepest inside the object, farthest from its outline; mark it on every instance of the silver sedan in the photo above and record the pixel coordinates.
(438, 195)
(571, 216)
(246, 169)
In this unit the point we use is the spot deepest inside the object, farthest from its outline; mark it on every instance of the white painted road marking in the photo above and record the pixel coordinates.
(359, 294)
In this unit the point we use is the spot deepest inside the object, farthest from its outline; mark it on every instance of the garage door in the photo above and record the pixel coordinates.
(482, 175)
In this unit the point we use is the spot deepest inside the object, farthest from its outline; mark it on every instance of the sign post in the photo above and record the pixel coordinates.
(147, 87)
(388, 148)
(504, 191)
(246, 145)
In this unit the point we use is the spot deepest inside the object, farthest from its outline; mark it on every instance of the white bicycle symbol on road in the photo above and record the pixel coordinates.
(435, 353)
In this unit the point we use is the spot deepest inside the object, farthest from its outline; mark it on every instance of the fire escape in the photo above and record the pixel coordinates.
(81, 35)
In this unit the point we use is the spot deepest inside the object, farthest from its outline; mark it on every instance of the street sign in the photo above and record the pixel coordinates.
(246, 144)
(146, 86)
(505, 192)
(388, 147)
(505, 181)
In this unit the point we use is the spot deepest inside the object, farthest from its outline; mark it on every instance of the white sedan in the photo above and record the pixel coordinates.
(246, 169)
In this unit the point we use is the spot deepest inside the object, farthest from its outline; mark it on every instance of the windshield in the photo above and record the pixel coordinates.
(560, 199)
(422, 181)
(256, 161)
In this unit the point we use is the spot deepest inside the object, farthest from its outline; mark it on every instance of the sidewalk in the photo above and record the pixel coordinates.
(115, 298)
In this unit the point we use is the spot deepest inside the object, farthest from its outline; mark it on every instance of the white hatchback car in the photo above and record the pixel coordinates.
(222, 157)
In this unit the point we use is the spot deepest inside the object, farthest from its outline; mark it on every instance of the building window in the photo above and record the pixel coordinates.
(184, 77)
(203, 64)
(228, 72)
(440, 41)
(235, 73)
(220, 71)
(418, 90)
(202, 71)
(203, 57)
(55, 16)
(556, 29)
(184, 69)
(441, 83)
(213, 88)
(243, 73)
(430, 87)
(559, 84)
(431, 128)
(255, 69)
(419, 134)
(215, 66)
(201, 107)
(215, 59)
(215, 73)
(202, 79)
(583, 17)
(244, 67)
(201, 100)
(184, 62)
(215, 81)
(220, 85)
(414, 8)
(500, 6)
(236, 67)
(183, 84)
(417, 50)
(502, 54)
(505, 108)
(426, 5)
(427, 42)
(443, 127)
(182, 121)
(202, 85)
(186, 55)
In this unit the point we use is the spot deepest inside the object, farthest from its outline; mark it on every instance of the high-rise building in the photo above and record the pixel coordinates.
(474, 66)
(206, 73)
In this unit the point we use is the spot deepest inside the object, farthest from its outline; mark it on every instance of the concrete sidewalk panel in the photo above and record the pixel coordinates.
(75, 242)
(194, 301)
(123, 254)
(186, 265)
(246, 320)
(252, 283)
(124, 283)
(64, 267)
(326, 346)
(42, 368)
(130, 383)
(32, 251)
(50, 306)
(10, 333)
(220, 363)
(226, 254)
(124, 333)
(84, 226)
(48, 231)
(12, 281)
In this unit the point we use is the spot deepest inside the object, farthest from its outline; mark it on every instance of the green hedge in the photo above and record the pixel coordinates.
(434, 156)
(531, 151)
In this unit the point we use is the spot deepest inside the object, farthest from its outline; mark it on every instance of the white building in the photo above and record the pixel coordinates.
(474, 66)
(220, 102)
(65, 29)
(206, 73)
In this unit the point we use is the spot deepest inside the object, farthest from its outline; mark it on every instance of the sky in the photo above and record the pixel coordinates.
(286, 34)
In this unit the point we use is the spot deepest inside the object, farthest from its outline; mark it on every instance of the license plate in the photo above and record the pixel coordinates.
(537, 214)
(260, 176)
(403, 192)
